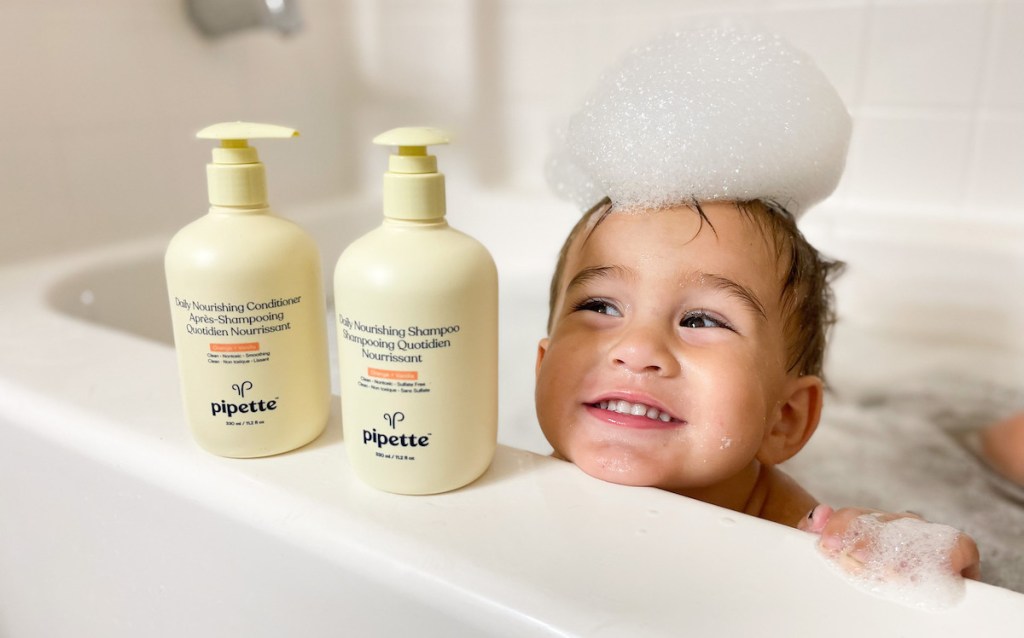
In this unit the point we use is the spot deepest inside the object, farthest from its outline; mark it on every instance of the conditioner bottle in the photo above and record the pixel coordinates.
(417, 313)
(247, 304)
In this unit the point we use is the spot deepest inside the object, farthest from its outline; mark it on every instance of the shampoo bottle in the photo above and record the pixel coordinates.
(247, 304)
(417, 313)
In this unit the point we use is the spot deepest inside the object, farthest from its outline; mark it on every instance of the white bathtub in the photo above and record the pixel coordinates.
(113, 523)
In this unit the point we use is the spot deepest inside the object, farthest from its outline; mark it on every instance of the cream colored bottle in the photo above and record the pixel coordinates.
(417, 318)
(247, 304)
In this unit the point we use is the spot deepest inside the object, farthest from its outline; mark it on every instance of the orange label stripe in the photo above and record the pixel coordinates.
(235, 347)
(400, 375)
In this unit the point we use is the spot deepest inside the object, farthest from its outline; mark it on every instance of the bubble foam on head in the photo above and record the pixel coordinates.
(715, 113)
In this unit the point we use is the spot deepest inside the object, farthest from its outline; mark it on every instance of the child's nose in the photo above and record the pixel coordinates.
(644, 349)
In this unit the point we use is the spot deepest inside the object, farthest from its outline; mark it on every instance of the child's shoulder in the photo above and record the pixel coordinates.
(777, 497)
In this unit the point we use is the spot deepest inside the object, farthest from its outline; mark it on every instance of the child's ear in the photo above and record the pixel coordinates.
(795, 422)
(542, 349)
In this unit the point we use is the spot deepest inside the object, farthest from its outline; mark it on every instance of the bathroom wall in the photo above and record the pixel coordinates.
(101, 100)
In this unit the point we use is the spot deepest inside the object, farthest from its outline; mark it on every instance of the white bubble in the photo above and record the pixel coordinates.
(712, 113)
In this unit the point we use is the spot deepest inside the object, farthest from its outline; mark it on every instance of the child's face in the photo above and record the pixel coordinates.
(666, 362)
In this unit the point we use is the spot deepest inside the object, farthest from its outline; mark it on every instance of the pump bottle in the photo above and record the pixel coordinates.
(417, 319)
(247, 305)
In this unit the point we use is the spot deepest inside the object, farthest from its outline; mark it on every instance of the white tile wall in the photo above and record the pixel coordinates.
(927, 55)
(911, 160)
(100, 99)
(830, 34)
(996, 184)
(1004, 87)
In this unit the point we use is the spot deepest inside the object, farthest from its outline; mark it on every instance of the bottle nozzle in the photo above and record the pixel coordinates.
(413, 188)
(412, 143)
(244, 131)
(236, 176)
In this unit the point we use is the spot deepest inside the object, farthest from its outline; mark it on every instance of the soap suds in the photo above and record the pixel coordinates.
(716, 113)
(906, 559)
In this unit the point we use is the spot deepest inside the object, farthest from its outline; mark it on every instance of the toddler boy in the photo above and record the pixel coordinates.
(688, 314)
(684, 351)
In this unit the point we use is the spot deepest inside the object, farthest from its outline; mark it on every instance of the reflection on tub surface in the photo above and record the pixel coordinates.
(127, 296)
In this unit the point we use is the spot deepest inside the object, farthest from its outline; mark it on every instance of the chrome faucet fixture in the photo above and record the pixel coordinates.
(217, 18)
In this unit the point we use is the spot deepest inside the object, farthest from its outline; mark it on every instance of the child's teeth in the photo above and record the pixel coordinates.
(635, 409)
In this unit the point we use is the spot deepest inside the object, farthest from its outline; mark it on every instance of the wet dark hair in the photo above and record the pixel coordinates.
(806, 297)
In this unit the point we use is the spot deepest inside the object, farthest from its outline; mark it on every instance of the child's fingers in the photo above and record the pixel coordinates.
(851, 553)
(837, 525)
(965, 559)
(816, 519)
(833, 533)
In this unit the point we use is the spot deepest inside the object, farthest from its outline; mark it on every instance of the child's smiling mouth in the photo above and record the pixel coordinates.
(633, 414)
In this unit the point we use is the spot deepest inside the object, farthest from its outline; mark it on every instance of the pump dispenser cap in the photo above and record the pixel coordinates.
(236, 176)
(413, 188)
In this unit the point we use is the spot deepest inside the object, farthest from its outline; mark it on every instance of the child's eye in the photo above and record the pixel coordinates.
(600, 306)
(702, 319)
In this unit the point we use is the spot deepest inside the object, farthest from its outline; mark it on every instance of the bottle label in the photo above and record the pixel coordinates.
(242, 410)
(389, 443)
(419, 384)
(242, 341)
(393, 356)
(236, 331)
(392, 365)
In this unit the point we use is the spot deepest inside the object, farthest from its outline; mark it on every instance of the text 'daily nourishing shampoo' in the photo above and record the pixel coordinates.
(247, 304)
(417, 319)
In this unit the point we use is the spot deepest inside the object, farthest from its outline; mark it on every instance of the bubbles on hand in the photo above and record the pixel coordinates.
(905, 559)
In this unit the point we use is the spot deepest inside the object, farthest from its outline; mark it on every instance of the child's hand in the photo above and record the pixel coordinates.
(846, 537)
